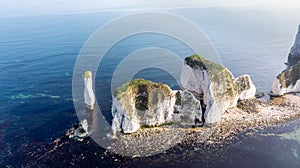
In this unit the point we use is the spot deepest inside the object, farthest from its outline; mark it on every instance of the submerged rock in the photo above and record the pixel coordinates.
(89, 96)
(216, 83)
(144, 103)
(288, 81)
(294, 55)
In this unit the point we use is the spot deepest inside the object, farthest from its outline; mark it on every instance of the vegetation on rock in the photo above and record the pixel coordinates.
(289, 76)
(87, 74)
(198, 61)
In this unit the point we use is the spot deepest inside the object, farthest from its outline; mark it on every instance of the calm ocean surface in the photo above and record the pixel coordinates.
(37, 55)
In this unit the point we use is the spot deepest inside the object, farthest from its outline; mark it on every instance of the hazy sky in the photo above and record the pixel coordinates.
(36, 7)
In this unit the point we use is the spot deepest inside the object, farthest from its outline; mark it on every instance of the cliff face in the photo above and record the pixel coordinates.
(287, 81)
(145, 103)
(219, 88)
(294, 55)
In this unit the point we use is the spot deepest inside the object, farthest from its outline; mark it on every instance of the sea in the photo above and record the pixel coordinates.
(37, 58)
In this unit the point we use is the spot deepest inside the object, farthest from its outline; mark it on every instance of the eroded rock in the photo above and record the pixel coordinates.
(144, 103)
(216, 83)
(89, 96)
(288, 81)
(79, 132)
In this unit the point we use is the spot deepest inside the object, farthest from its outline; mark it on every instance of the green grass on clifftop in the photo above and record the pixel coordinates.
(135, 84)
(198, 61)
(87, 74)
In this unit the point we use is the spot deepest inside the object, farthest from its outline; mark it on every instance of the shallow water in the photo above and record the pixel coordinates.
(38, 54)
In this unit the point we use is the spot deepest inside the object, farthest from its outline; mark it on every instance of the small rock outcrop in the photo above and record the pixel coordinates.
(294, 55)
(144, 103)
(89, 96)
(79, 132)
(288, 81)
(217, 85)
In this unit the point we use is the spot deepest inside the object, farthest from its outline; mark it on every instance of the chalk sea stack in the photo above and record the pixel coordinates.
(217, 85)
(89, 96)
(144, 103)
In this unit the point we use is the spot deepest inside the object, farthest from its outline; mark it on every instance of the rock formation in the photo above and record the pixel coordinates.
(294, 55)
(287, 81)
(144, 103)
(80, 132)
(89, 96)
(220, 90)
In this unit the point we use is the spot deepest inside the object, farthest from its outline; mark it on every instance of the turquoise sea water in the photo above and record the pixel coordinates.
(37, 55)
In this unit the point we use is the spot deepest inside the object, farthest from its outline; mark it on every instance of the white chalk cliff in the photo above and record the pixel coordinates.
(295, 50)
(288, 81)
(144, 103)
(294, 55)
(219, 88)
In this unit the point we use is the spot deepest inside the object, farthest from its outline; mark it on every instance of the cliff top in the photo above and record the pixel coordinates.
(198, 61)
(87, 74)
(140, 85)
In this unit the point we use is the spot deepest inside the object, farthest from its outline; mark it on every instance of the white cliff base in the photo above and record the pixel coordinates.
(288, 81)
(278, 90)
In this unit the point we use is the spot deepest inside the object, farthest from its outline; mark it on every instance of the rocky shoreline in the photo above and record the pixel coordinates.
(263, 114)
(249, 115)
(210, 145)
(149, 118)
(228, 106)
